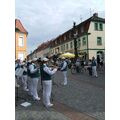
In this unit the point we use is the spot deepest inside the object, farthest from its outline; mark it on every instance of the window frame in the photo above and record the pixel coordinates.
(67, 46)
(84, 42)
(21, 53)
(71, 45)
(99, 42)
(21, 44)
(96, 27)
(100, 26)
(79, 43)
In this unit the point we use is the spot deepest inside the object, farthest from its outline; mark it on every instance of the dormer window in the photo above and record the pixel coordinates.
(82, 29)
(64, 37)
(55, 42)
(69, 35)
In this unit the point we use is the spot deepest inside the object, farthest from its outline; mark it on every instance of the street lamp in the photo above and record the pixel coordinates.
(75, 40)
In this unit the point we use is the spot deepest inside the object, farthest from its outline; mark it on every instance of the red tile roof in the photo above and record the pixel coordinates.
(19, 26)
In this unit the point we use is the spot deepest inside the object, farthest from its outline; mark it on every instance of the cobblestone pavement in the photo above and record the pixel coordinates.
(82, 99)
(83, 93)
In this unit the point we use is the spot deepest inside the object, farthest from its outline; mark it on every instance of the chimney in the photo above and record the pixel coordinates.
(95, 14)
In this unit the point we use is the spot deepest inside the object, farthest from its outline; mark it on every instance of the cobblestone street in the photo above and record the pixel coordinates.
(82, 99)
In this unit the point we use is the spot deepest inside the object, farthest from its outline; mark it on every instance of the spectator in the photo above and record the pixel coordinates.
(94, 64)
(77, 65)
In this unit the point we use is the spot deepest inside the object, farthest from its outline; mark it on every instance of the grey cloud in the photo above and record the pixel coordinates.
(46, 19)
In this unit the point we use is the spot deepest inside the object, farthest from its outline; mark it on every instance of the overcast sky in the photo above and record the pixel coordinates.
(46, 19)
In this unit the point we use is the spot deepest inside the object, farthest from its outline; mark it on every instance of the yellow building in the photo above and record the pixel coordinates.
(20, 41)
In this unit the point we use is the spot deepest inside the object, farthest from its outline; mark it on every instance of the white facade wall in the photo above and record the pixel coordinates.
(40, 54)
(92, 39)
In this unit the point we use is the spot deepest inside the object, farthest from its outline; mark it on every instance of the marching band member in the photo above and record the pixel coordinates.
(34, 74)
(29, 78)
(64, 70)
(24, 77)
(46, 74)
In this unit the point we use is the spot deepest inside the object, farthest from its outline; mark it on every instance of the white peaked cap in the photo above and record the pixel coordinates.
(23, 63)
(29, 60)
(34, 59)
(45, 59)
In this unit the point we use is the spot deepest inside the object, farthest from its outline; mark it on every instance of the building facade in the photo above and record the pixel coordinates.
(90, 36)
(90, 39)
(20, 41)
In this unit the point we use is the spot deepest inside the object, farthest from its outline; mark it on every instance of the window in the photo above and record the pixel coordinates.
(71, 45)
(101, 26)
(96, 26)
(56, 42)
(84, 41)
(20, 42)
(51, 52)
(99, 40)
(62, 48)
(21, 56)
(64, 37)
(66, 46)
(69, 35)
(82, 29)
(79, 43)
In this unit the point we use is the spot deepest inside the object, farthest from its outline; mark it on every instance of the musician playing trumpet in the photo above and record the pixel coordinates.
(35, 76)
(46, 73)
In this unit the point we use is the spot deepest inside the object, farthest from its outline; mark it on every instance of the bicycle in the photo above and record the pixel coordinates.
(75, 70)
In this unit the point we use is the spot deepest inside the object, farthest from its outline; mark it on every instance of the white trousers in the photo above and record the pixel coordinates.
(47, 88)
(30, 85)
(34, 84)
(65, 76)
(24, 81)
(94, 71)
(16, 84)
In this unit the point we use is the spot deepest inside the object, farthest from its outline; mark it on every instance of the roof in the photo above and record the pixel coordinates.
(19, 26)
(44, 45)
(83, 25)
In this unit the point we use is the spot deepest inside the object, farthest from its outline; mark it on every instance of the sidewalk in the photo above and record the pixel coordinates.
(38, 112)
(81, 99)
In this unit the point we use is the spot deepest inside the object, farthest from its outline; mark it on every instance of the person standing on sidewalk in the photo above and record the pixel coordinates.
(90, 67)
(64, 70)
(34, 74)
(94, 65)
(77, 63)
(46, 73)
